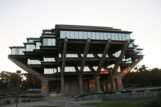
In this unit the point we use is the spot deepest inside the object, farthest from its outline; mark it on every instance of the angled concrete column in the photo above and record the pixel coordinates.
(63, 66)
(100, 66)
(80, 79)
(123, 50)
(44, 87)
(119, 84)
(125, 71)
(115, 78)
(98, 86)
(80, 84)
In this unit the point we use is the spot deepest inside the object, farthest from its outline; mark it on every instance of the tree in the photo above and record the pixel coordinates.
(31, 81)
(143, 77)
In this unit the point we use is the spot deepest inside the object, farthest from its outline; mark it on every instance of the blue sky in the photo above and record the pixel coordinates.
(20, 19)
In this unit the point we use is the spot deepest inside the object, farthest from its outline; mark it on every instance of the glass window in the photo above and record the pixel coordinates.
(30, 41)
(108, 36)
(86, 69)
(125, 37)
(60, 55)
(49, 42)
(84, 36)
(99, 55)
(117, 54)
(76, 34)
(116, 36)
(31, 61)
(79, 35)
(70, 69)
(119, 36)
(38, 44)
(101, 36)
(128, 60)
(48, 32)
(14, 51)
(17, 51)
(72, 55)
(122, 36)
(113, 36)
(94, 35)
(30, 47)
(107, 56)
(105, 36)
(97, 36)
(62, 34)
(47, 59)
(90, 55)
(49, 70)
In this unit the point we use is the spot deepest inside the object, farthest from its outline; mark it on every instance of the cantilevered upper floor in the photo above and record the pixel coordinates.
(52, 37)
(46, 52)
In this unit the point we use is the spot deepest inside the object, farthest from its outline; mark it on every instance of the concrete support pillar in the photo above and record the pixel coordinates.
(119, 82)
(80, 84)
(114, 74)
(62, 83)
(98, 84)
(44, 87)
(115, 83)
(112, 85)
(63, 66)
(80, 79)
(105, 52)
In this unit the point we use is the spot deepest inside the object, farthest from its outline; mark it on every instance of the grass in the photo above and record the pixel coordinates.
(44, 106)
(124, 103)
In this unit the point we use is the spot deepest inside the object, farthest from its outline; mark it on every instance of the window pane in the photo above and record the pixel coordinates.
(30, 47)
(49, 59)
(49, 42)
(38, 44)
(49, 70)
(93, 35)
(17, 51)
(31, 61)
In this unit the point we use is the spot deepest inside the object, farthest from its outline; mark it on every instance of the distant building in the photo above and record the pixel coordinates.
(75, 59)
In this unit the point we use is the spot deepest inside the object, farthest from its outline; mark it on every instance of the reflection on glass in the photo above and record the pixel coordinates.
(49, 42)
(17, 51)
(30, 47)
(94, 35)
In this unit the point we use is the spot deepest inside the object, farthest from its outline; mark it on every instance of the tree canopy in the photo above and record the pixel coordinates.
(143, 77)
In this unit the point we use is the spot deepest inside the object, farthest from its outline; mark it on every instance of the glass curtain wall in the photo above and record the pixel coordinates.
(94, 35)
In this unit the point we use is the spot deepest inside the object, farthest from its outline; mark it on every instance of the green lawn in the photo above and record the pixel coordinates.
(125, 103)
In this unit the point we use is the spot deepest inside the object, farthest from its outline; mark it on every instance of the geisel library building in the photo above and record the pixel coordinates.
(75, 60)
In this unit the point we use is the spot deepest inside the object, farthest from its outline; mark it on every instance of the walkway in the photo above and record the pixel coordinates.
(52, 102)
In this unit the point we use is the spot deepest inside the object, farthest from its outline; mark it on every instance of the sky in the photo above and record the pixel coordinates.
(20, 19)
